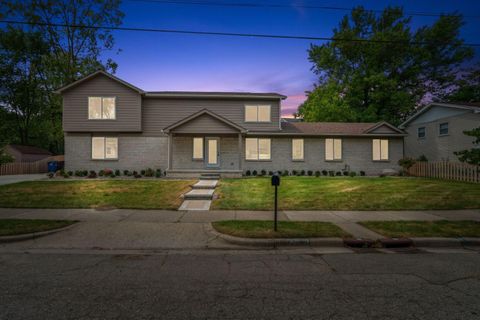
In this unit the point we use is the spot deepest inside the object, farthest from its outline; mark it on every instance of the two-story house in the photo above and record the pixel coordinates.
(109, 123)
(436, 131)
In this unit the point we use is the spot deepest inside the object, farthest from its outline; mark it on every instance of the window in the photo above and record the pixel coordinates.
(443, 128)
(421, 132)
(104, 148)
(257, 149)
(257, 113)
(333, 149)
(297, 149)
(101, 108)
(197, 148)
(380, 149)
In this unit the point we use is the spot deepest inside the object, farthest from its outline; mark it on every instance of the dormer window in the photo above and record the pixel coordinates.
(101, 107)
(257, 113)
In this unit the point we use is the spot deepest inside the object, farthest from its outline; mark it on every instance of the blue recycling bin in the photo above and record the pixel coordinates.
(52, 166)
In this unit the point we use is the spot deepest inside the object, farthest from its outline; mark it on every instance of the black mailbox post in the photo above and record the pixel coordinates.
(275, 183)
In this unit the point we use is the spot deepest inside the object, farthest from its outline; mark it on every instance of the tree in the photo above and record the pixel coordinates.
(471, 156)
(467, 89)
(389, 76)
(75, 48)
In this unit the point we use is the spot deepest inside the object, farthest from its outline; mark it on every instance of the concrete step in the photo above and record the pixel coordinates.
(202, 177)
(205, 184)
(195, 205)
(213, 174)
(199, 194)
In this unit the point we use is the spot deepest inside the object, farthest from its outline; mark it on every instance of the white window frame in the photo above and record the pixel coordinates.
(101, 107)
(380, 146)
(104, 148)
(202, 148)
(440, 129)
(257, 107)
(257, 145)
(302, 144)
(333, 158)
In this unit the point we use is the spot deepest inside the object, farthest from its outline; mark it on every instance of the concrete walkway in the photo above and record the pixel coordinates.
(9, 179)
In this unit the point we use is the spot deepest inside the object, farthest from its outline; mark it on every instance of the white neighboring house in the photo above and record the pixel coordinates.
(436, 131)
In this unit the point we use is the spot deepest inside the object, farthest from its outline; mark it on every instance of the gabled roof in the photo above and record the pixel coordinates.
(96, 73)
(474, 106)
(29, 149)
(338, 128)
(201, 113)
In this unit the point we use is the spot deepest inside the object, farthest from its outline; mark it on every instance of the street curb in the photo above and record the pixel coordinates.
(290, 242)
(33, 235)
(445, 242)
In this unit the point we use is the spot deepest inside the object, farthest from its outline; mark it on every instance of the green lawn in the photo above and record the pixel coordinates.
(286, 229)
(156, 194)
(10, 227)
(399, 229)
(360, 193)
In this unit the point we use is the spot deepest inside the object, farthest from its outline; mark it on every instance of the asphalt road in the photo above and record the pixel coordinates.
(239, 285)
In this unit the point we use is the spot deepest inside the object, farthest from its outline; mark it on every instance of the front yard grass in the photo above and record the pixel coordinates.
(443, 228)
(10, 227)
(286, 229)
(156, 194)
(360, 193)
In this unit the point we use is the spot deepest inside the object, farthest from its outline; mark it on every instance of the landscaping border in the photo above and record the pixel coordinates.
(34, 235)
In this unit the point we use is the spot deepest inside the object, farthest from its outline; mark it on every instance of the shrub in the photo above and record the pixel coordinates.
(50, 175)
(65, 175)
(331, 173)
(149, 172)
(142, 172)
(112, 175)
(248, 173)
(270, 173)
(126, 172)
(134, 173)
(107, 172)
(422, 158)
(362, 173)
(137, 176)
(70, 173)
(294, 173)
(117, 172)
(382, 175)
(338, 173)
(130, 173)
(158, 173)
(78, 173)
(302, 173)
(254, 173)
(92, 174)
(353, 174)
(345, 173)
(317, 173)
(285, 173)
(101, 173)
(263, 173)
(406, 163)
(324, 172)
(310, 172)
(85, 173)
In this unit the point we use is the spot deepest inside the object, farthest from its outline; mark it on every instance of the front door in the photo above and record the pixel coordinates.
(213, 153)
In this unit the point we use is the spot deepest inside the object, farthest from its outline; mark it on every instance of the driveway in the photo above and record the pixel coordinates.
(9, 179)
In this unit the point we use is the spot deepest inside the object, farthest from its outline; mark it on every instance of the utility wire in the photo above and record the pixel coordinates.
(274, 5)
(230, 34)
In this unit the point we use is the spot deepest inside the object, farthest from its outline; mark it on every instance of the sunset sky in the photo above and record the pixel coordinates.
(157, 61)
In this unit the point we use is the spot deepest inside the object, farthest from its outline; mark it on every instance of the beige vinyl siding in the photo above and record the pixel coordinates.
(128, 110)
(159, 113)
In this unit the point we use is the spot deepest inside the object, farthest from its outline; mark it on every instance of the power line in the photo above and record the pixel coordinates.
(274, 5)
(230, 34)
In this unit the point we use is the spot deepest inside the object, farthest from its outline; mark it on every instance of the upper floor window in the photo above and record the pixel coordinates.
(421, 132)
(101, 108)
(257, 113)
(104, 148)
(380, 149)
(333, 149)
(257, 149)
(297, 149)
(443, 128)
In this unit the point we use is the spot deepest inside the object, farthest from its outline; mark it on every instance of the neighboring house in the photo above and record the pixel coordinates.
(23, 153)
(109, 123)
(436, 131)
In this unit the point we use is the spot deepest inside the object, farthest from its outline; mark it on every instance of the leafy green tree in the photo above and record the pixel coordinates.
(75, 48)
(389, 76)
(467, 89)
(5, 157)
(471, 156)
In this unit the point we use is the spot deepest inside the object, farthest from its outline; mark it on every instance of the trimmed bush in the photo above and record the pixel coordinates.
(137, 176)
(50, 175)
(158, 173)
(294, 173)
(70, 173)
(149, 172)
(248, 173)
(263, 172)
(310, 172)
(362, 173)
(345, 173)
(111, 175)
(107, 172)
(126, 172)
(78, 173)
(324, 172)
(285, 173)
(85, 173)
(142, 172)
(353, 174)
(302, 172)
(331, 173)
(270, 173)
(254, 173)
(317, 173)
(135, 173)
(338, 173)
(117, 172)
(101, 173)
(92, 174)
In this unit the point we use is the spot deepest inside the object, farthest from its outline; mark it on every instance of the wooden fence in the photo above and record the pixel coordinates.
(40, 166)
(446, 170)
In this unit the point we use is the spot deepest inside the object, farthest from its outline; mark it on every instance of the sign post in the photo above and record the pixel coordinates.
(276, 183)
